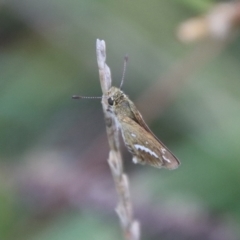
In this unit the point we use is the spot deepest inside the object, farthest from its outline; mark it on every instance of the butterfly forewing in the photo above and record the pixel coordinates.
(144, 147)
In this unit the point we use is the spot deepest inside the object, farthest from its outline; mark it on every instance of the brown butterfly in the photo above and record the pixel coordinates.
(138, 138)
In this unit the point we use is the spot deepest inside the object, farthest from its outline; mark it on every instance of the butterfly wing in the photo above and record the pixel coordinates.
(144, 147)
(139, 119)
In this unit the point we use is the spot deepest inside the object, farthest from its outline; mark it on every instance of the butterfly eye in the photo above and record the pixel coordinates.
(110, 101)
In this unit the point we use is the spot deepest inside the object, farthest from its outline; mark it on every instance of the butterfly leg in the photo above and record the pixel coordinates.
(137, 160)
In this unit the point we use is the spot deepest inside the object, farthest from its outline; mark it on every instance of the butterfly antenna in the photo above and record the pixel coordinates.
(81, 97)
(124, 70)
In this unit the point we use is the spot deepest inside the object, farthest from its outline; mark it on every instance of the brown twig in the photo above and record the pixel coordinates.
(130, 226)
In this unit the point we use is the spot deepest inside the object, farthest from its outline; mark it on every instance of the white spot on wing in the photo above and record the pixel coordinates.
(140, 147)
(166, 159)
(163, 150)
(133, 135)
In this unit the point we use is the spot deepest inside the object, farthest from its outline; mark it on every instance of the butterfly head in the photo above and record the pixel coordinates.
(114, 97)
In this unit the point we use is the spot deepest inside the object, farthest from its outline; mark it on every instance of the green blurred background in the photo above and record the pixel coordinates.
(54, 179)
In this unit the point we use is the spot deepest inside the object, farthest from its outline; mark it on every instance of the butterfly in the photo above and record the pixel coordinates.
(140, 141)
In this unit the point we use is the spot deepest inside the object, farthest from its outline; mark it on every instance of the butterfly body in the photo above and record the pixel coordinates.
(138, 138)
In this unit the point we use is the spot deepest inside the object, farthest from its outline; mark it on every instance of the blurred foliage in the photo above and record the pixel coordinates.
(198, 5)
(48, 54)
(75, 225)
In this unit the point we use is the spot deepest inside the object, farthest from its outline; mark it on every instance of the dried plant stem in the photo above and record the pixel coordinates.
(129, 226)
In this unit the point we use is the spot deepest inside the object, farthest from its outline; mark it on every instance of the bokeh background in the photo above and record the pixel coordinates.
(54, 179)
